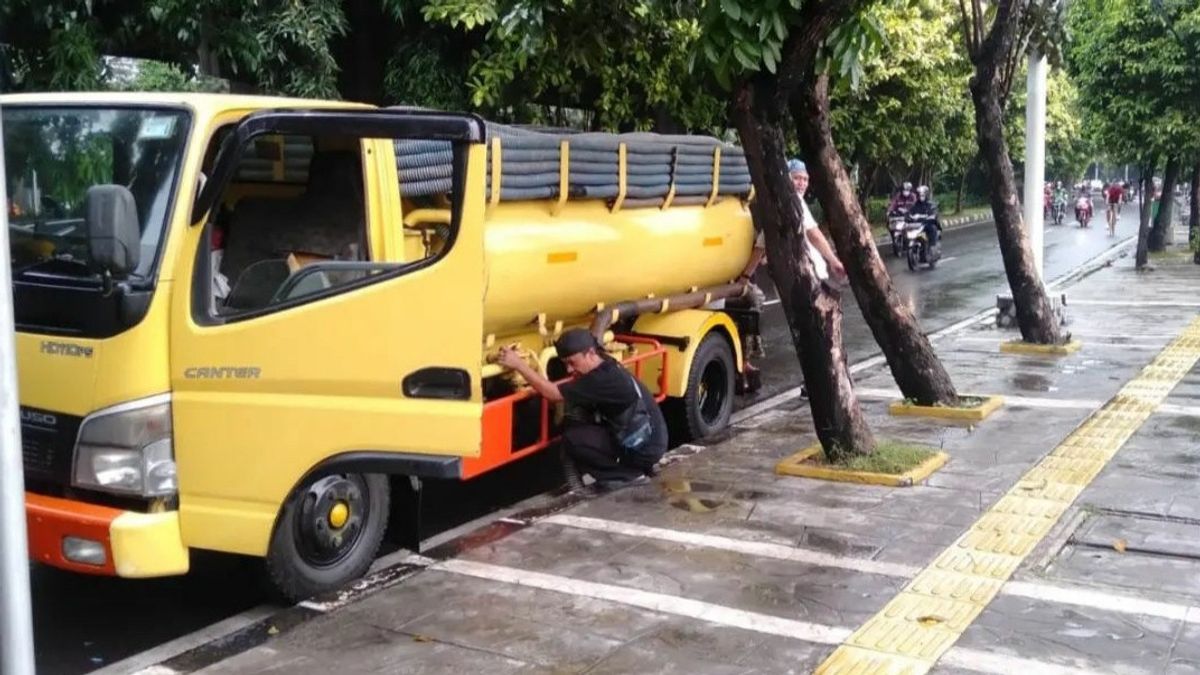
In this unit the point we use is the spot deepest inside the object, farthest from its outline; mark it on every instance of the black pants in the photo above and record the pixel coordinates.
(934, 232)
(593, 449)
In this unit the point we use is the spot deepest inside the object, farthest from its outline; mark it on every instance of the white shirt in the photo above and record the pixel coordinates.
(807, 223)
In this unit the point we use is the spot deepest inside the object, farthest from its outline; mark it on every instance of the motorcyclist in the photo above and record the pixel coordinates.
(1061, 196)
(902, 200)
(924, 206)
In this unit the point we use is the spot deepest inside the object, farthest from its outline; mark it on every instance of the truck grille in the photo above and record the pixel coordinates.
(47, 445)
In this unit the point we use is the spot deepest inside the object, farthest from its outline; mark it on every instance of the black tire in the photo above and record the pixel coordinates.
(913, 258)
(707, 404)
(895, 247)
(301, 565)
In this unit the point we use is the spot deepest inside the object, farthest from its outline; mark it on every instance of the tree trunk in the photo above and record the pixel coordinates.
(1036, 319)
(1147, 206)
(1194, 212)
(813, 310)
(962, 187)
(914, 365)
(1166, 207)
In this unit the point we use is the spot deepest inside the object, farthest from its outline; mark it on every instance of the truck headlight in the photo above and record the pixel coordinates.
(127, 450)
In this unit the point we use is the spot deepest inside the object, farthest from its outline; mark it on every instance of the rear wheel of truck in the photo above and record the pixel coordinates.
(328, 533)
(707, 403)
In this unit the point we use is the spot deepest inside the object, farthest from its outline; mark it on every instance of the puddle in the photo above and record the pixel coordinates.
(678, 486)
(836, 545)
(1031, 382)
(697, 504)
(681, 495)
(749, 494)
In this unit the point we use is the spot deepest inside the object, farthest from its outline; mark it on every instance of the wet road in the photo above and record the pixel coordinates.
(83, 623)
(967, 280)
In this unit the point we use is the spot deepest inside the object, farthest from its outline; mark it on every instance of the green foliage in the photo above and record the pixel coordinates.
(911, 108)
(741, 36)
(160, 76)
(281, 45)
(625, 62)
(1137, 66)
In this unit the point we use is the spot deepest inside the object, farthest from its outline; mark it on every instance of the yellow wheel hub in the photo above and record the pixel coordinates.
(339, 514)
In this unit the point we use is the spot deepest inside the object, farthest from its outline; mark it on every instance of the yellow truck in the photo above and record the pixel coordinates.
(245, 322)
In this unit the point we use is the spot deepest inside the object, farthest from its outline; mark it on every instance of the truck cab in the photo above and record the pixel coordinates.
(235, 330)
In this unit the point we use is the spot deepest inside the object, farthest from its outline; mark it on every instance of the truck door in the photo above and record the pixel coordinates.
(294, 344)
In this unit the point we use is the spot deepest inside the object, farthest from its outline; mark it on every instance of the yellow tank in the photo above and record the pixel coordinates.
(564, 265)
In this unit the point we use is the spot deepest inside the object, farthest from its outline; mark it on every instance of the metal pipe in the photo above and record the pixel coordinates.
(1035, 156)
(608, 315)
(16, 623)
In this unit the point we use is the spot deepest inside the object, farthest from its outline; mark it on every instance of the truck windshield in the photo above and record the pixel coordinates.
(53, 155)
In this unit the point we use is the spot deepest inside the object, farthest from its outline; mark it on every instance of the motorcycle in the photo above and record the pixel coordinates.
(896, 230)
(1083, 211)
(918, 248)
(1060, 212)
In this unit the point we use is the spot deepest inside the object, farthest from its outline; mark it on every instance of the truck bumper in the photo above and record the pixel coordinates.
(118, 543)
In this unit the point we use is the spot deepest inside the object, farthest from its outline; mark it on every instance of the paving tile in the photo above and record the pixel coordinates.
(1072, 636)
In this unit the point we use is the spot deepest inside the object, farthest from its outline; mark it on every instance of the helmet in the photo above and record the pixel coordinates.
(907, 187)
(1058, 184)
(796, 166)
(923, 192)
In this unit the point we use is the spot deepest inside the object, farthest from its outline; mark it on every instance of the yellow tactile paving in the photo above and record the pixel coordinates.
(927, 617)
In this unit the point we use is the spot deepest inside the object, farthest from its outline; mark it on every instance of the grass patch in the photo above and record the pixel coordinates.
(892, 457)
(963, 402)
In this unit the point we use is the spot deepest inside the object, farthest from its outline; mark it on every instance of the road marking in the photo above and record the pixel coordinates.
(655, 602)
(920, 624)
(154, 670)
(1091, 344)
(729, 616)
(1130, 303)
(1018, 401)
(1046, 403)
(753, 548)
(1186, 410)
(1078, 596)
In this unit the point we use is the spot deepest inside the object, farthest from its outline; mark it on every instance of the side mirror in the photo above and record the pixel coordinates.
(114, 238)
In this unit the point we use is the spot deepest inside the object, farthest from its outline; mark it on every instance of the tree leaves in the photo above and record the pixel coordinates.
(1138, 71)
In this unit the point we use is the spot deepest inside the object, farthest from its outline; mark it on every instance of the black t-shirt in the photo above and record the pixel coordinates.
(608, 391)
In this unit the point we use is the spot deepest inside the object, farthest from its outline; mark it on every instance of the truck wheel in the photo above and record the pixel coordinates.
(327, 534)
(708, 401)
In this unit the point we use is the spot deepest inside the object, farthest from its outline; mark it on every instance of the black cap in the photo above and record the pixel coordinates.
(574, 341)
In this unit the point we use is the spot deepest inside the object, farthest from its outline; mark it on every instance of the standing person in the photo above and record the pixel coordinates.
(753, 301)
(613, 429)
(824, 260)
(1113, 196)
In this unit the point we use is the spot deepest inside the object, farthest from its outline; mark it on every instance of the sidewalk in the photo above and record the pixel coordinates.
(721, 566)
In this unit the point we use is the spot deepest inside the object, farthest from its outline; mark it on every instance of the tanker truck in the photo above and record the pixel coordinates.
(261, 325)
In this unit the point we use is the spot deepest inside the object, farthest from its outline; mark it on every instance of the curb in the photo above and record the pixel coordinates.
(795, 466)
(1020, 347)
(977, 413)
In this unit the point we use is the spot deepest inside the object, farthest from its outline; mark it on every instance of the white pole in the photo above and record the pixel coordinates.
(1035, 155)
(16, 623)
